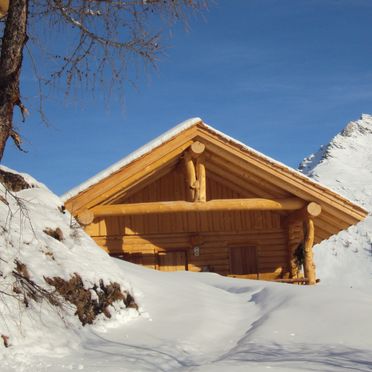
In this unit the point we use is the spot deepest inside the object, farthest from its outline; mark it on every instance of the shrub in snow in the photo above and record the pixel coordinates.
(88, 306)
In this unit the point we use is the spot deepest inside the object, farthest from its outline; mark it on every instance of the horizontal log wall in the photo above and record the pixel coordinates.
(140, 238)
(172, 187)
(272, 258)
(185, 222)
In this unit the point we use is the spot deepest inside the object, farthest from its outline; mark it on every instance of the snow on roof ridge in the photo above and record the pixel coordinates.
(131, 157)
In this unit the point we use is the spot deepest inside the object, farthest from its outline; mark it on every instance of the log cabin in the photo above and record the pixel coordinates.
(196, 199)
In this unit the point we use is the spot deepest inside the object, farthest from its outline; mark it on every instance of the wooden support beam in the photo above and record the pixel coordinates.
(295, 222)
(195, 172)
(201, 192)
(309, 267)
(217, 205)
(190, 176)
(295, 239)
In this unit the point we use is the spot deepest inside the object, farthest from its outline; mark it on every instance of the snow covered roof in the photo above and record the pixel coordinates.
(131, 157)
(117, 179)
(171, 133)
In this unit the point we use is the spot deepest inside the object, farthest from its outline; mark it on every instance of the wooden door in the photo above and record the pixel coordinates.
(172, 260)
(243, 260)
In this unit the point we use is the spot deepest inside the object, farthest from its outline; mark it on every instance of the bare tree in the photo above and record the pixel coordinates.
(108, 37)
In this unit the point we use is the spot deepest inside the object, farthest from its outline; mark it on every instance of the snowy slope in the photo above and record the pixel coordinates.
(36, 326)
(345, 165)
(206, 322)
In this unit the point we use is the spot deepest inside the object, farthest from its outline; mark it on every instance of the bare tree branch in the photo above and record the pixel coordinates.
(109, 39)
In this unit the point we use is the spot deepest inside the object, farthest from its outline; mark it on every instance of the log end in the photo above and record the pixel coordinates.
(197, 148)
(314, 209)
(85, 217)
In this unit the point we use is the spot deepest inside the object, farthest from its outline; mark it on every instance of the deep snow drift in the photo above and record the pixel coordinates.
(345, 165)
(206, 322)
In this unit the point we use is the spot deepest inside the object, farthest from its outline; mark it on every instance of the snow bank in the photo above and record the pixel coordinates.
(206, 322)
(38, 327)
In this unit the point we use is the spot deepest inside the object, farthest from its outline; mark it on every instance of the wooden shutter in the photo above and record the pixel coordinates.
(172, 260)
(243, 260)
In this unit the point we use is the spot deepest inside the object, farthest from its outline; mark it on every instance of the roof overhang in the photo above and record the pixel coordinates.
(248, 168)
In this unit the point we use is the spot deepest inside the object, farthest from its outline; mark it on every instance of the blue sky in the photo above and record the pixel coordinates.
(282, 76)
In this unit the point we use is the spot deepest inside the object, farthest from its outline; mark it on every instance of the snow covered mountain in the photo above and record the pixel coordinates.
(345, 165)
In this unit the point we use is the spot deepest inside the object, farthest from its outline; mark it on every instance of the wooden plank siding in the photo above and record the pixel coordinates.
(214, 254)
(172, 187)
(156, 240)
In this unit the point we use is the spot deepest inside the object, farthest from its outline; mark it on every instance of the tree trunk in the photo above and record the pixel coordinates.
(14, 40)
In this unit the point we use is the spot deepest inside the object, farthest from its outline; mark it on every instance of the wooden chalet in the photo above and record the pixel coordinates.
(195, 199)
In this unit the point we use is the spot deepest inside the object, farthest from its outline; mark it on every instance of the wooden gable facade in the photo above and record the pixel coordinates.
(197, 200)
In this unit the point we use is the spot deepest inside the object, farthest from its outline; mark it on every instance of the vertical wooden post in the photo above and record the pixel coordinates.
(195, 172)
(190, 176)
(293, 267)
(301, 231)
(309, 267)
(295, 238)
(201, 177)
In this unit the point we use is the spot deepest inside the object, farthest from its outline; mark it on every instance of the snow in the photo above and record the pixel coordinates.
(344, 164)
(205, 322)
(202, 321)
(41, 328)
